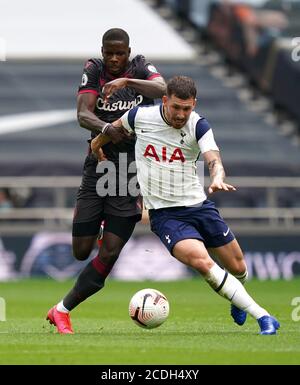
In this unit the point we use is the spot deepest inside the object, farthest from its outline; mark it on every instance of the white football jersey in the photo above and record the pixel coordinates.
(166, 157)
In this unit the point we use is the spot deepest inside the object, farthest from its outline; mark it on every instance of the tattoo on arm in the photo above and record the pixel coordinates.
(216, 169)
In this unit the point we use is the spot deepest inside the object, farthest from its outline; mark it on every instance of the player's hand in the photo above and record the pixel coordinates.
(111, 87)
(101, 156)
(116, 134)
(219, 185)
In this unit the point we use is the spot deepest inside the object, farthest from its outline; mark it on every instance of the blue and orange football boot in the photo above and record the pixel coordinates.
(239, 316)
(268, 325)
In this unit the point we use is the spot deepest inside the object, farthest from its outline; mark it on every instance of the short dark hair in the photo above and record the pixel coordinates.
(117, 34)
(182, 87)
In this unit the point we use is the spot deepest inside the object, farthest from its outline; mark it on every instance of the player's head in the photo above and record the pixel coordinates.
(115, 50)
(179, 101)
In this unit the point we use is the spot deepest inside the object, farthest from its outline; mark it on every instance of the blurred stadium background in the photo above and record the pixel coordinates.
(245, 59)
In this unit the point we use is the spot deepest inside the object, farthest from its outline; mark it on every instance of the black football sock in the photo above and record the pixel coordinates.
(89, 282)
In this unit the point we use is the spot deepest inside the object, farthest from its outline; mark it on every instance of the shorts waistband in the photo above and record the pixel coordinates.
(177, 207)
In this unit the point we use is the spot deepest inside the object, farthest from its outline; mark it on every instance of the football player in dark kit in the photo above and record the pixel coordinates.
(109, 88)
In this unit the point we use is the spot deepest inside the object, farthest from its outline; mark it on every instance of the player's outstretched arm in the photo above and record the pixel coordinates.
(85, 113)
(216, 172)
(154, 88)
(87, 119)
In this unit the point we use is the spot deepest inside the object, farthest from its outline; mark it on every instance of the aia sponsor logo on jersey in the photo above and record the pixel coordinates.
(151, 152)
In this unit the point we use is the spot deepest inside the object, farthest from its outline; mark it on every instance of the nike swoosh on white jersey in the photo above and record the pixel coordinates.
(226, 233)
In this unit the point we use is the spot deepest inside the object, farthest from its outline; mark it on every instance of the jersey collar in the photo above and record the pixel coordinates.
(161, 110)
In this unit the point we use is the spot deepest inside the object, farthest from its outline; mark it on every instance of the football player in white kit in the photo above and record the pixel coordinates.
(169, 139)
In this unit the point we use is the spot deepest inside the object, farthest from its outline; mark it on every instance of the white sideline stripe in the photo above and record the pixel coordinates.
(34, 120)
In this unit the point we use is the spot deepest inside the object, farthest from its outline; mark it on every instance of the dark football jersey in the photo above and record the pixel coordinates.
(93, 79)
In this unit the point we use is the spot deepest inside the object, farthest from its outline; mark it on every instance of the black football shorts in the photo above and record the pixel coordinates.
(91, 209)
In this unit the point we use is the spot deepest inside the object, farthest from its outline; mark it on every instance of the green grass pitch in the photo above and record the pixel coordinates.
(198, 331)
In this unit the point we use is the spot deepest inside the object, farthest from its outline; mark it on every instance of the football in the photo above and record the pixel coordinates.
(149, 308)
